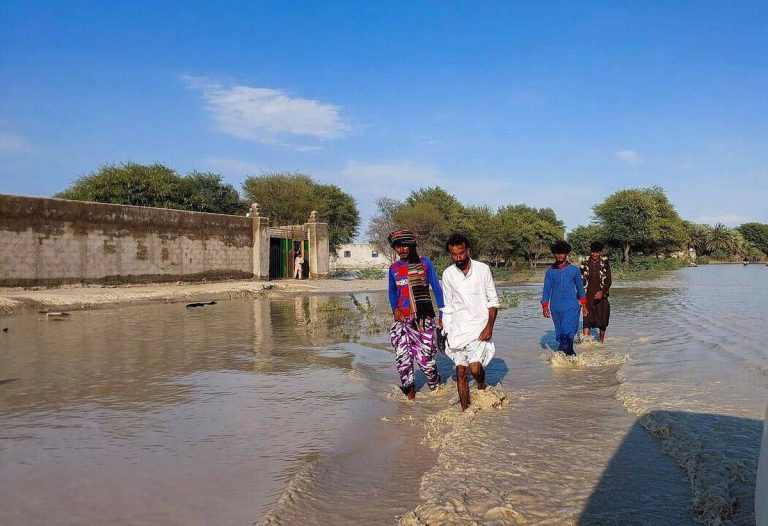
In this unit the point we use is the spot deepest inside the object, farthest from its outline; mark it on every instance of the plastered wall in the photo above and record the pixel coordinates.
(54, 241)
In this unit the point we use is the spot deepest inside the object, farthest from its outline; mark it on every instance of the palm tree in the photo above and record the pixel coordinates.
(721, 238)
(697, 235)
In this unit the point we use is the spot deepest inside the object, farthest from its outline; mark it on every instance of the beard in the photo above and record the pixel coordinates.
(461, 265)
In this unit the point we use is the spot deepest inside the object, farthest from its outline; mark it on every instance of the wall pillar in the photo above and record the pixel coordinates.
(260, 244)
(319, 252)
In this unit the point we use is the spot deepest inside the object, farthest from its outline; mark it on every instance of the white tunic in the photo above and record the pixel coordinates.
(467, 300)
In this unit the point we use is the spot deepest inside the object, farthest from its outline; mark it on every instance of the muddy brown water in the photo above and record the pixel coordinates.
(255, 412)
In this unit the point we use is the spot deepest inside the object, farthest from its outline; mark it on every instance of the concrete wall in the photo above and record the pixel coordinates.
(359, 255)
(54, 241)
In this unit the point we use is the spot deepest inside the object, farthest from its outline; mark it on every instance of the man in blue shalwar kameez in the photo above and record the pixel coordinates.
(563, 298)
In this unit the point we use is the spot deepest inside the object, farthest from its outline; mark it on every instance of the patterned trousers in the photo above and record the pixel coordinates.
(411, 345)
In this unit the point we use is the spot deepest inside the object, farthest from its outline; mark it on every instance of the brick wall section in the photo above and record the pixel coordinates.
(54, 241)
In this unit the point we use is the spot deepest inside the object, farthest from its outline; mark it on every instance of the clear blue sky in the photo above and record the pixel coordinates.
(547, 103)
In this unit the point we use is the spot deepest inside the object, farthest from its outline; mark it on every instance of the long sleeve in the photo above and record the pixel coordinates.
(492, 299)
(546, 293)
(392, 290)
(580, 293)
(608, 278)
(434, 282)
(448, 292)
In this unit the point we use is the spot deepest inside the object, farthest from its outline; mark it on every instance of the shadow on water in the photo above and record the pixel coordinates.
(721, 472)
(548, 341)
(494, 373)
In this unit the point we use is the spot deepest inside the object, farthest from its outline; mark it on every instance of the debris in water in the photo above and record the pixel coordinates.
(200, 304)
(57, 315)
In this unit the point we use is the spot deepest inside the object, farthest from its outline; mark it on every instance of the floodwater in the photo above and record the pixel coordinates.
(257, 412)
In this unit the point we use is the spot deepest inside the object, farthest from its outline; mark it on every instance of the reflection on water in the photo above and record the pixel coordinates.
(162, 414)
(252, 411)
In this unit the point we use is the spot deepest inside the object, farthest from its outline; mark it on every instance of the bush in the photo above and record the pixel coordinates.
(643, 267)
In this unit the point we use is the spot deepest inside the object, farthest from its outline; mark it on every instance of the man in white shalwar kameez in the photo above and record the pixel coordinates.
(471, 306)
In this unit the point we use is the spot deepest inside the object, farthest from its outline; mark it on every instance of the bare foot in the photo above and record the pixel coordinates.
(482, 386)
(411, 394)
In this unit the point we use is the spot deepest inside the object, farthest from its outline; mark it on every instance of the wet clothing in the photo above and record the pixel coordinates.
(596, 276)
(564, 294)
(411, 345)
(414, 338)
(474, 351)
(467, 300)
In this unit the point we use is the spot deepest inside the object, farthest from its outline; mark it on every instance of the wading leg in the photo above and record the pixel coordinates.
(462, 383)
(602, 335)
(428, 352)
(476, 368)
(404, 361)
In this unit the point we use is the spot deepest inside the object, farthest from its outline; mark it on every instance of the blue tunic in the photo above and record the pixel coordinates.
(563, 293)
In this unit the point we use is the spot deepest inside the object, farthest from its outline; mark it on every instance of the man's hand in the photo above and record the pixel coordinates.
(545, 312)
(599, 295)
(585, 310)
(487, 334)
(440, 323)
(398, 315)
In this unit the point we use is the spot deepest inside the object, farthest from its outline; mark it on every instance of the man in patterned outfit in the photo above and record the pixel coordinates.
(596, 276)
(413, 333)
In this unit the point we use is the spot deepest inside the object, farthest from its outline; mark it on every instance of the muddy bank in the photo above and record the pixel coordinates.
(16, 300)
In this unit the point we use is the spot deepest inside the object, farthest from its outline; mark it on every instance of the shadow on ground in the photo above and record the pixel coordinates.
(719, 454)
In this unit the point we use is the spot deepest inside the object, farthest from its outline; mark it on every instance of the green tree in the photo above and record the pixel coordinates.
(528, 232)
(446, 203)
(757, 234)
(640, 219)
(583, 236)
(721, 239)
(382, 224)
(288, 198)
(669, 232)
(477, 223)
(206, 192)
(696, 237)
(340, 210)
(158, 186)
(428, 223)
(128, 184)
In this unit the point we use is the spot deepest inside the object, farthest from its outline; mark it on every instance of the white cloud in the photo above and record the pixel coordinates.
(630, 157)
(726, 219)
(267, 115)
(12, 143)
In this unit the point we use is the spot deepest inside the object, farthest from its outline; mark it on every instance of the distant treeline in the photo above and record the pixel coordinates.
(630, 222)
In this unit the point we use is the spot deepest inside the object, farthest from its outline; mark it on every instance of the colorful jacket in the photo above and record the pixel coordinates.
(605, 274)
(399, 293)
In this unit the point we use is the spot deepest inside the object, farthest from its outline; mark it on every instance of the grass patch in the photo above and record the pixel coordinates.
(509, 300)
(348, 320)
(644, 267)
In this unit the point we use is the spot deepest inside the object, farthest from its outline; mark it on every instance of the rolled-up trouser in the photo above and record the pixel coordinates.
(411, 345)
(566, 326)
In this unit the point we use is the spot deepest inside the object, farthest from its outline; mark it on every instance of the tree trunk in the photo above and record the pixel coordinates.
(625, 256)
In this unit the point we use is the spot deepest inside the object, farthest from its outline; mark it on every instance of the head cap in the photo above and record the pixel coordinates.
(402, 237)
